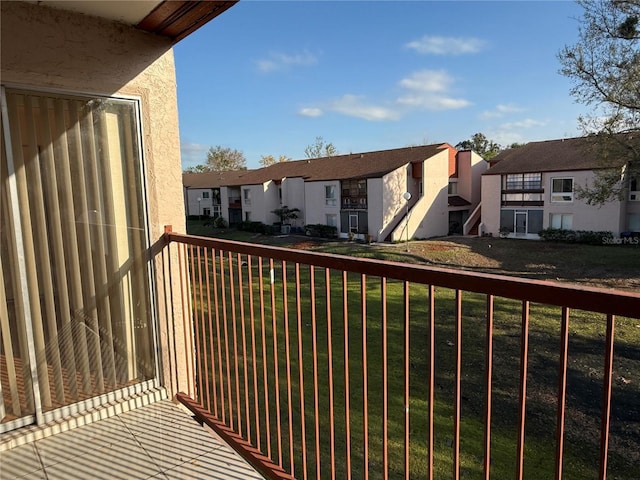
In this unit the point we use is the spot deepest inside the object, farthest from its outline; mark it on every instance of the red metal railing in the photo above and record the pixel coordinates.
(323, 366)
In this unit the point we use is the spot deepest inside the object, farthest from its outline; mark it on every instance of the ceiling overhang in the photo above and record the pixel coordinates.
(174, 19)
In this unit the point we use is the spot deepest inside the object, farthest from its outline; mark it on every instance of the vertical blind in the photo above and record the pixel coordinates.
(74, 281)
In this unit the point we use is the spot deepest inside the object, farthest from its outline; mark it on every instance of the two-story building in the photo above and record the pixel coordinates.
(534, 187)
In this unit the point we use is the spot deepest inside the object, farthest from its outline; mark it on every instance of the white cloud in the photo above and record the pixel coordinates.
(355, 106)
(446, 45)
(310, 112)
(428, 89)
(193, 153)
(281, 61)
(526, 123)
(500, 111)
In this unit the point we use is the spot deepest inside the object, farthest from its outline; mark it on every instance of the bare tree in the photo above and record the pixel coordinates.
(267, 160)
(220, 159)
(320, 149)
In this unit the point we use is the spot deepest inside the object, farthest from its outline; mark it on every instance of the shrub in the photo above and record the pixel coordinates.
(320, 230)
(575, 236)
(256, 227)
(220, 222)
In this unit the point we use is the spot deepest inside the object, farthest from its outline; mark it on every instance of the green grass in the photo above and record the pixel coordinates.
(584, 383)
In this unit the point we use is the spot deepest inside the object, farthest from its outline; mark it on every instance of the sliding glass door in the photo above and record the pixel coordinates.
(75, 303)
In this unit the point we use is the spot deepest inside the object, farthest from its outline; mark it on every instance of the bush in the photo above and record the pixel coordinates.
(575, 236)
(320, 230)
(256, 227)
(219, 222)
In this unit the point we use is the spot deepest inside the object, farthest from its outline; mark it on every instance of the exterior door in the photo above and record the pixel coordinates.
(521, 223)
(76, 318)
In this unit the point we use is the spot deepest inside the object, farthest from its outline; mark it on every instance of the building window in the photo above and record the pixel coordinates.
(561, 221)
(247, 196)
(562, 189)
(453, 187)
(247, 216)
(420, 189)
(522, 181)
(280, 194)
(634, 191)
(330, 197)
(217, 211)
(521, 222)
(354, 194)
(332, 220)
(205, 195)
(206, 212)
(633, 222)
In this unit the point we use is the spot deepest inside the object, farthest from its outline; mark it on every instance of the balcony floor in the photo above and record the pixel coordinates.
(159, 441)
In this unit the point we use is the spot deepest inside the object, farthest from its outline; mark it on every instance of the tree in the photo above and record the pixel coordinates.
(320, 149)
(220, 159)
(267, 160)
(605, 68)
(286, 214)
(480, 144)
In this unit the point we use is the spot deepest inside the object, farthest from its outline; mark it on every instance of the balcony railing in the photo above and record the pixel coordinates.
(323, 366)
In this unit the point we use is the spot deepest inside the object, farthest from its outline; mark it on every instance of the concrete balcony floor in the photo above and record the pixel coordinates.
(159, 441)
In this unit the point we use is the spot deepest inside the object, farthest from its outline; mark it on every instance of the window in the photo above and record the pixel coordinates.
(453, 187)
(247, 196)
(217, 211)
(205, 195)
(247, 216)
(354, 194)
(561, 221)
(332, 220)
(633, 222)
(522, 181)
(206, 212)
(634, 191)
(562, 189)
(330, 197)
(521, 222)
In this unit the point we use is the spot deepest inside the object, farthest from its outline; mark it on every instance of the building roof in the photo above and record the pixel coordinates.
(457, 201)
(339, 167)
(548, 156)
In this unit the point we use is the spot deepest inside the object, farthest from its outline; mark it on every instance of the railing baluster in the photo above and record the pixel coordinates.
(347, 390)
(406, 381)
(385, 382)
(562, 391)
(192, 322)
(218, 336)
(524, 354)
(285, 311)
(332, 433)
(303, 421)
(365, 374)
(182, 256)
(265, 377)
(254, 372)
(432, 374)
(234, 326)
(606, 397)
(199, 350)
(276, 379)
(314, 341)
(243, 331)
(225, 328)
(457, 394)
(210, 382)
(488, 387)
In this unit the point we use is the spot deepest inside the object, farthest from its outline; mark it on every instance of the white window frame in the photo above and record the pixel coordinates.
(205, 194)
(331, 219)
(561, 196)
(566, 221)
(330, 197)
(246, 196)
(353, 228)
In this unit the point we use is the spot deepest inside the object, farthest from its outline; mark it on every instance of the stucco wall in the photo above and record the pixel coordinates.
(491, 188)
(470, 169)
(256, 206)
(376, 200)
(435, 219)
(197, 208)
(293, 197)
(43, 48)
(315, 207)
(585, 217)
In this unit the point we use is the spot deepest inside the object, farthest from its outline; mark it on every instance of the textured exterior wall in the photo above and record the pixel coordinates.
(314, 202)
(491, 188)
(585, 217)
(431, 214)
(375, 206)
(43, 48)
(293, 197)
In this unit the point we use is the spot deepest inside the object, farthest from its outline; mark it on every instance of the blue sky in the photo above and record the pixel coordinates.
(268, 77)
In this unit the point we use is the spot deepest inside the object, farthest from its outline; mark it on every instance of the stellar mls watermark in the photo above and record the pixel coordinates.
(621, 241)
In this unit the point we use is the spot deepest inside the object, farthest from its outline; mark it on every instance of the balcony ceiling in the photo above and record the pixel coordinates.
(173, 19)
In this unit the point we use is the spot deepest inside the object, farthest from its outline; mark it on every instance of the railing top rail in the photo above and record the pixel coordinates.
(579, 297)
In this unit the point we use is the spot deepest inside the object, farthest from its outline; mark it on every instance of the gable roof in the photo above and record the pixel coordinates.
(547, 156)
(339, 167)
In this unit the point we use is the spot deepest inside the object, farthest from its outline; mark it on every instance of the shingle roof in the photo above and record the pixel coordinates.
(548, 156)
(340, 167)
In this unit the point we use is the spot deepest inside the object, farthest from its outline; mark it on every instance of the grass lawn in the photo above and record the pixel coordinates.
(604, 266)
